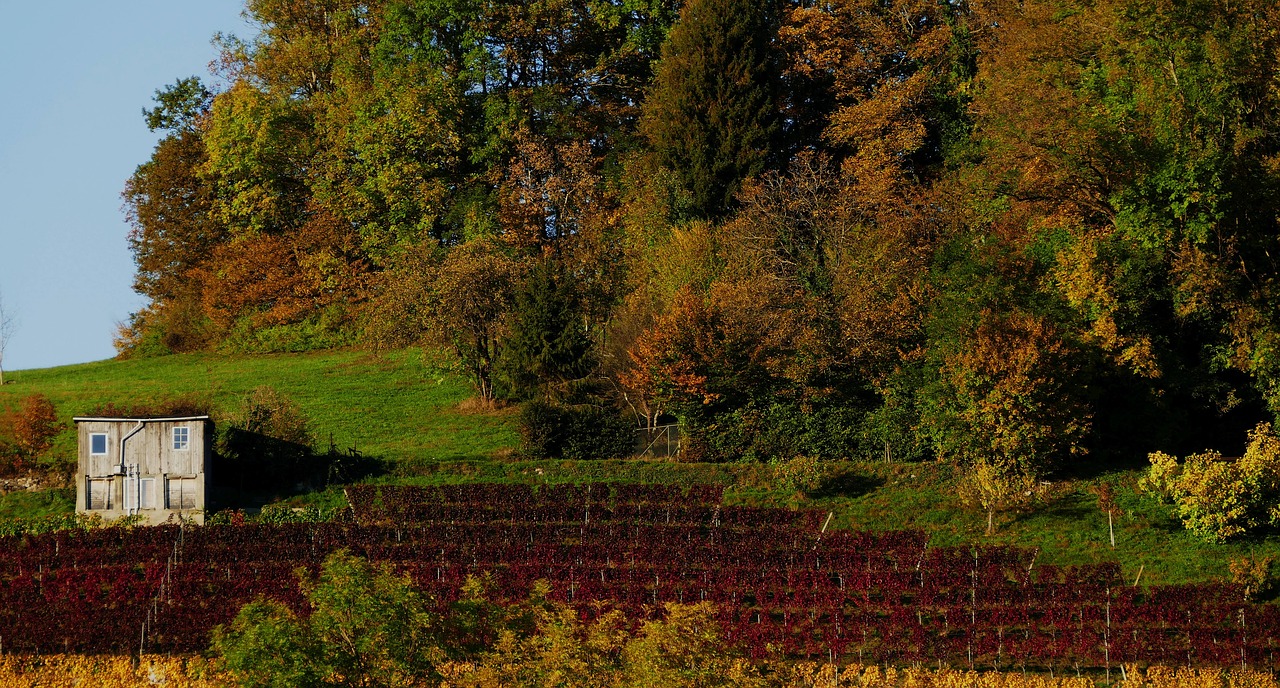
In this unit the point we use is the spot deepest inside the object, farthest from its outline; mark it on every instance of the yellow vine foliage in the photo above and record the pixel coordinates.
(191, 671)
(104, 671)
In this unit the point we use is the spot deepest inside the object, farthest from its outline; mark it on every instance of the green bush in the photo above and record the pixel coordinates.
(574, 432)
(781, 430)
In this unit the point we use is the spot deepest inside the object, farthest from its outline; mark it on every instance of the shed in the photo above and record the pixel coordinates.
(151, 467)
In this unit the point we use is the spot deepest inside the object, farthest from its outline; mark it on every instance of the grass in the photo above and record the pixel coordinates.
(396, 406)
(401, 407)
(36, 504)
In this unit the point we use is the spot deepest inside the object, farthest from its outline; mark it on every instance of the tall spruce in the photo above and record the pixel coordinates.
(549, 345)
(711, 115)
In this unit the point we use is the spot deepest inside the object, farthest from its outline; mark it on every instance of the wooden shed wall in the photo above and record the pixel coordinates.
(151, 449)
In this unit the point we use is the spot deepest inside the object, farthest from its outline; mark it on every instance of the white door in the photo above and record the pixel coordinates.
(131, 489)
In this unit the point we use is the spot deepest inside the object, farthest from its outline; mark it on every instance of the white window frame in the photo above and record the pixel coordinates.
(146, 493)
(106, 444)
(185, 442)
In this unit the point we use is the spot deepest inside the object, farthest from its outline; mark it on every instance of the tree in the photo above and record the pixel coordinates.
(711, 115)
(995, 488)
(368, 627)
(8, 326)
(179, 107)
(549, 346)
(468, 301)
(36, 424)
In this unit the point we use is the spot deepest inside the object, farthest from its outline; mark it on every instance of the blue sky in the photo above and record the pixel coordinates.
(74, 77)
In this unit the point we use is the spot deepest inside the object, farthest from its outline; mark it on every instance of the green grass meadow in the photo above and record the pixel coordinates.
(399, 406)
(408, 409)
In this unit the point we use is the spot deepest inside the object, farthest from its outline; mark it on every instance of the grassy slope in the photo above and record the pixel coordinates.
(400, 408)
(394, 406)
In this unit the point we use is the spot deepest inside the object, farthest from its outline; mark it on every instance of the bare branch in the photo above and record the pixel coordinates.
(8, 326)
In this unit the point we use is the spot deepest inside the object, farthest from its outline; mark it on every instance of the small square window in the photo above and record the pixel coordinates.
(181, 438)
(98, 444)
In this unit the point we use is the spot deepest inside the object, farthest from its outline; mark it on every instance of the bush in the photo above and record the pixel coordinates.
(1217, 498)
(267, 443)
(778, 431)
(36, 425)
(574, 432)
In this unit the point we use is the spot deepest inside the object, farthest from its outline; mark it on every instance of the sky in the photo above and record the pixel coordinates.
(74, 78)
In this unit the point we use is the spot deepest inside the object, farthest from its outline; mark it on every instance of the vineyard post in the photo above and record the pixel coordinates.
(1244, 639)
(973, 605)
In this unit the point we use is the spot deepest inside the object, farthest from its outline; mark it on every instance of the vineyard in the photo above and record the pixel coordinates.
(782, 581)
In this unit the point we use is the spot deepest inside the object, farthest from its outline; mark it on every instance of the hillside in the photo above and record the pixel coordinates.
(395, 406)
(398, 407)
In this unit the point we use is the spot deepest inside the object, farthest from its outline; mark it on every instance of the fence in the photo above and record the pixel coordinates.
(662, 441)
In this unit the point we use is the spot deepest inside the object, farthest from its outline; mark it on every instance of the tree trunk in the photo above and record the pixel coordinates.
(1112, 529)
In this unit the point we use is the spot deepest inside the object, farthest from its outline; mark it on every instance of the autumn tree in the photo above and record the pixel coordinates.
(995, 488)
(1007, 396)
(469, 300)
(711, 115)
(36, 424)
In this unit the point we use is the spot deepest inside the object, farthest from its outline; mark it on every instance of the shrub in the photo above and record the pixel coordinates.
(800, 474)
(36, 424)
(367, 626)
(267, 443)
(1216, 498)
(574, 432)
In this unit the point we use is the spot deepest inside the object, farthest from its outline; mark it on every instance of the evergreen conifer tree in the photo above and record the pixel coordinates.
(549, 344)
(711, 115)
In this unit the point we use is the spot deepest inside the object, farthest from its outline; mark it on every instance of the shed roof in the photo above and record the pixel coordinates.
(83, 419)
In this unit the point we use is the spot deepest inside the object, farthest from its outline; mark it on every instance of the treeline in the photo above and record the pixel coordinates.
(1034, 234)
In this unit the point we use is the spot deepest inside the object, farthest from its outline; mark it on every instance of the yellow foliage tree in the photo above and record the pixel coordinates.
(1217, 498)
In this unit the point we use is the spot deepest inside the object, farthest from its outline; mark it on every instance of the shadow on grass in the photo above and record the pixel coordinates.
(268, 470)
(846, 484)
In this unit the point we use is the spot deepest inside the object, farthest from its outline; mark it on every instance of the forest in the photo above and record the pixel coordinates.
(1029, 236)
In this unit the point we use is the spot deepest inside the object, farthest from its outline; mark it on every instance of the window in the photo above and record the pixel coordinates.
(181, 438)
(146, 493)
(98, 444)
(99, 493)
(182, 493)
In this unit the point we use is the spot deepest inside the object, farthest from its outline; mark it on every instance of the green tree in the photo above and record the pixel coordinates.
(549, 347)
(711, 115)
(368, 627)
(179, 107)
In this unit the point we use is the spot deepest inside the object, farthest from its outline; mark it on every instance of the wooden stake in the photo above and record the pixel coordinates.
(1139, 577)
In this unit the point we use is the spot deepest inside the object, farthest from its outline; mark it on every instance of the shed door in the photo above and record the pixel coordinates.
(98, 494)
(182, 493)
